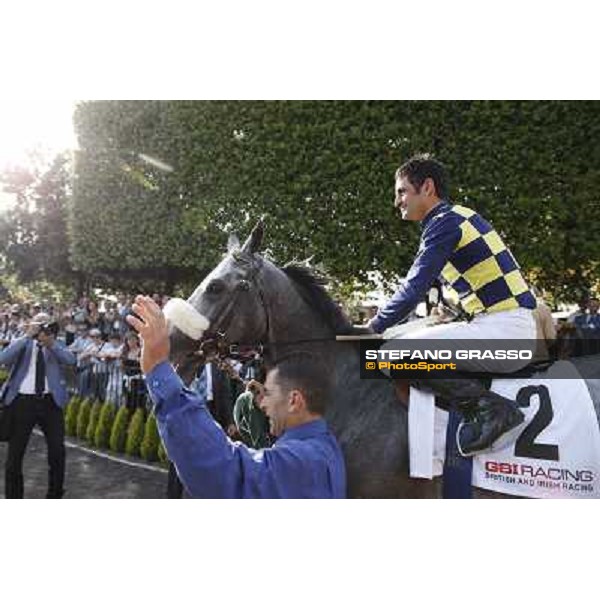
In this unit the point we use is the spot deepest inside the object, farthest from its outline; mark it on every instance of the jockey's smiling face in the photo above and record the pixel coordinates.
(414, 204)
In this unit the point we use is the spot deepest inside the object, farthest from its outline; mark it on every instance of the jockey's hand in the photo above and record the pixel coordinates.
(442, 313)
(151, 325)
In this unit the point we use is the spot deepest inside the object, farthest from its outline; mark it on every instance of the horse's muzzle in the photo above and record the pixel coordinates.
(186, 318)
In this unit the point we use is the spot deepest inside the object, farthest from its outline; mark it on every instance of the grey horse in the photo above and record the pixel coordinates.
(249, 300)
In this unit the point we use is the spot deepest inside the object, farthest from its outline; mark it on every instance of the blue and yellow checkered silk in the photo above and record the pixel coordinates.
(482, 272)
(462, 250)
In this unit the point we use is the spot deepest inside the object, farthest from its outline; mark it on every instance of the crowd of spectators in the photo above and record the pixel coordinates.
(586, 318)
(108, 355)
(108, 361)
(579, 332)
(107, 350)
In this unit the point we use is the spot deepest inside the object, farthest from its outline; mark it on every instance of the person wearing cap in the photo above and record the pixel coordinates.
(36, 394)
(464, 253)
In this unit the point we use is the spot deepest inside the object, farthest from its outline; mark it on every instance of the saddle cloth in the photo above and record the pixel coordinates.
(554, 453)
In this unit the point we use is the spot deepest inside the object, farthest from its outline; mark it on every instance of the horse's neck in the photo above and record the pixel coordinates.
(289, 316)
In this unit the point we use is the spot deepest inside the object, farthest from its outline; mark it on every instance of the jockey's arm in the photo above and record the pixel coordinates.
(437, 245)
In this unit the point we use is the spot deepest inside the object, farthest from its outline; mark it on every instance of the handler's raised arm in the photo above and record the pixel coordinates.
(151, 325)
(305, 462)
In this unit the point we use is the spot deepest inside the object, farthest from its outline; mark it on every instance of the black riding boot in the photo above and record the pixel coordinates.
(487, 415)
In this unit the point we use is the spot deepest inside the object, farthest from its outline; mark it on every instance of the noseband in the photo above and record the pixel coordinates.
(216, 347)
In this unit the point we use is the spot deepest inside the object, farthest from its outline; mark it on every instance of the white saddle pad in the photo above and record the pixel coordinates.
(555, 453)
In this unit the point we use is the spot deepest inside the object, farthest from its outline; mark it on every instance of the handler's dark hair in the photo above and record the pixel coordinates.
(421, 167)
(304, 372)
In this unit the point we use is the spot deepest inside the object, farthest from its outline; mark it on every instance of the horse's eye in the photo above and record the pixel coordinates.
(243, 285)
(215, 287)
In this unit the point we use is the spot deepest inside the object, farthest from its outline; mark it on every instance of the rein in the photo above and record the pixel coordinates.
(218, 348)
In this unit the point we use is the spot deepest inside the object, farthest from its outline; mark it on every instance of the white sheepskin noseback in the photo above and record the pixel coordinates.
(186, 318)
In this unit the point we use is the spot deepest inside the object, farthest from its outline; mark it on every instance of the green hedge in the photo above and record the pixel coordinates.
(71, 415)
(149, 447)
(83, 418)
(104, 427)
(331, 167)
(118, 434)
(90, 432)
(135, 433)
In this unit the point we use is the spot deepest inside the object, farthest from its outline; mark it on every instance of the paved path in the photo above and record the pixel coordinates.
(90, 473)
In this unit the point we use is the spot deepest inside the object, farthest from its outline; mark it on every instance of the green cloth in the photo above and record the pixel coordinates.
(252, 423)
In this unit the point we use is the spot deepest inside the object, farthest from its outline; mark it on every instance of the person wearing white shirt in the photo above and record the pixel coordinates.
(35, 394)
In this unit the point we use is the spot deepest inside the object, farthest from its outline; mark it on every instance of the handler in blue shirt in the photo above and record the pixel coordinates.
(305, 462)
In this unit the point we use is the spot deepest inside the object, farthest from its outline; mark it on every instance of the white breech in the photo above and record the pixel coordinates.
(517, 324)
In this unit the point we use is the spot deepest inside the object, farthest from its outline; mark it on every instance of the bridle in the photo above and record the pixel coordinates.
(217, 347)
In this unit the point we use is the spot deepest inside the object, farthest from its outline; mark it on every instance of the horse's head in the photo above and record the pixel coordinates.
(230, 301)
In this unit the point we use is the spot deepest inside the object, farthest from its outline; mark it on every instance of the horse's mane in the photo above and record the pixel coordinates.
(310, 284)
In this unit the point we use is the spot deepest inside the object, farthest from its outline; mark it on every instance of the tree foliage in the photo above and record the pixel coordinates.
(118, 434)
(104, 426)
(322, 173)
(151, 440)
(71, 414)
(163, 459)
(33, 234)
(83, 418)
(90, 432)
(135, 432)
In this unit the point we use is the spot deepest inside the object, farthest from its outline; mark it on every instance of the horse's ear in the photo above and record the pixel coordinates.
(252, 244)
(233, 243)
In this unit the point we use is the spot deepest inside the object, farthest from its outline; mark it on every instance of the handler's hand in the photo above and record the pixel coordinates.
(152, 328)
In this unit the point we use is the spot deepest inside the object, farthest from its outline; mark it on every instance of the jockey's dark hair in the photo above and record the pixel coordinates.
(306, 373)
(421, 167)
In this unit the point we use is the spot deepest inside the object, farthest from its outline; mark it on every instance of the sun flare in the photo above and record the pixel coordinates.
(26, 125)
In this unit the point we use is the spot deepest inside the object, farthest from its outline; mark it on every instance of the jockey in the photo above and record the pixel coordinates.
(460, 249)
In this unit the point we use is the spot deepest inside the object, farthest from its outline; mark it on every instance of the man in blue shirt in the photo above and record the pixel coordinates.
(305, 462)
